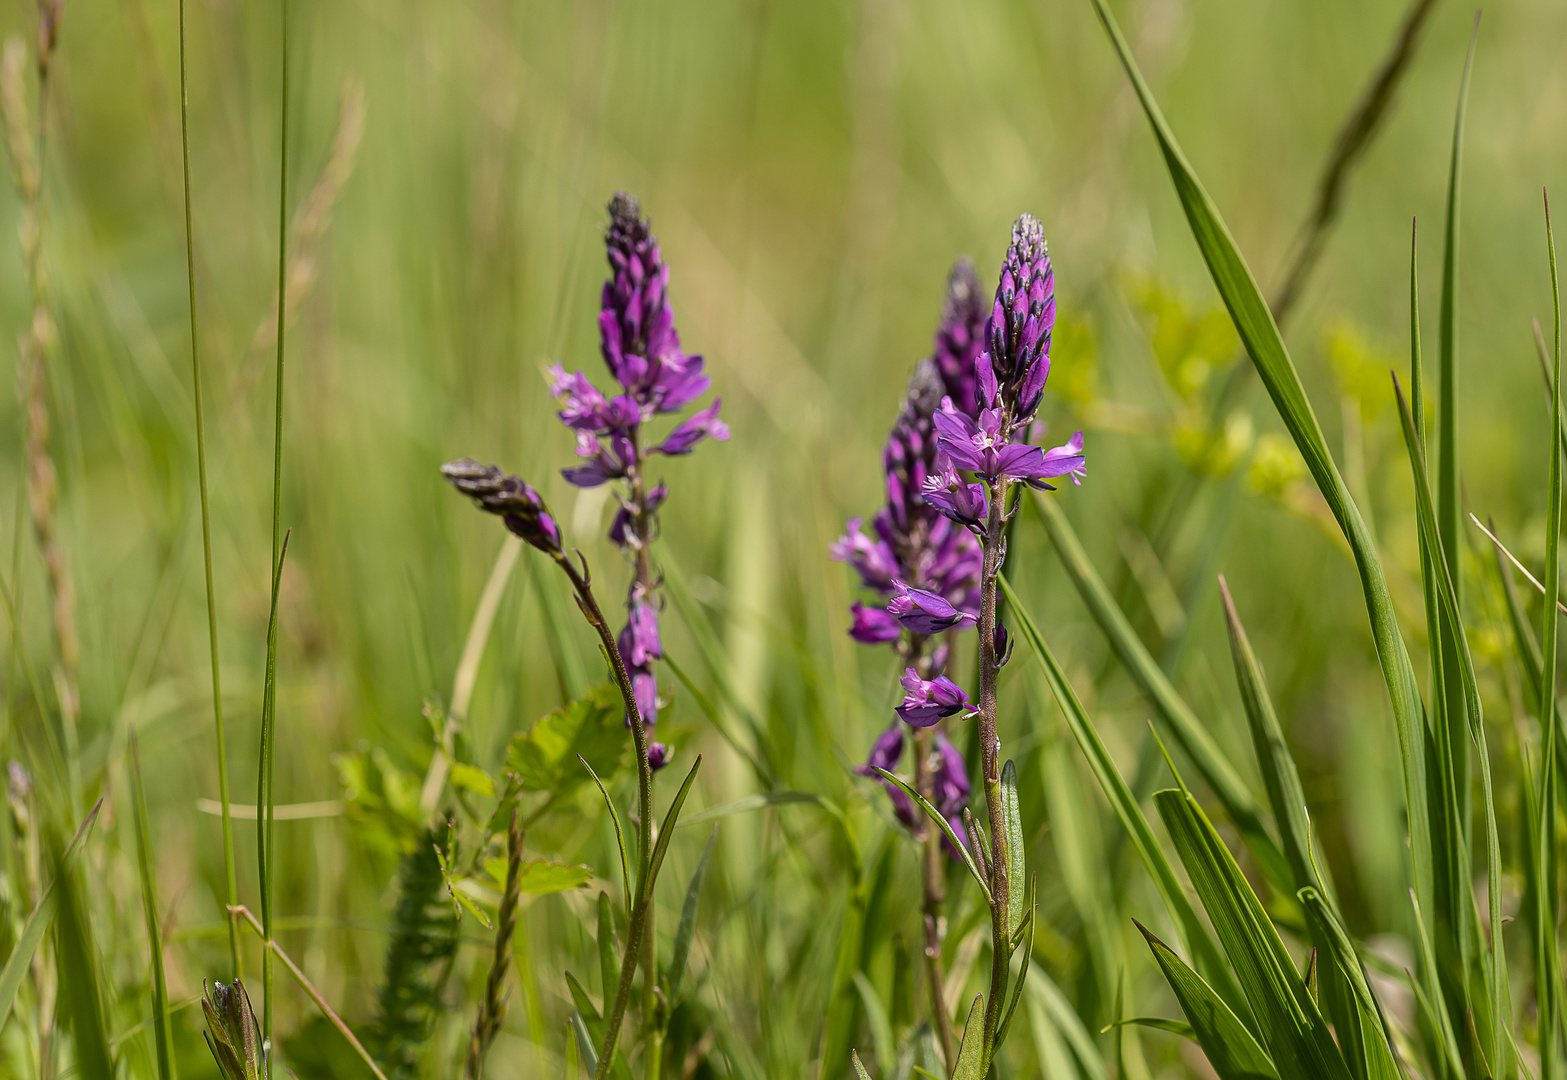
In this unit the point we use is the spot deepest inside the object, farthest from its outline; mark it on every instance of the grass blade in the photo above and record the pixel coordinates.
(1231, 1050)
(958, 844)
(1374, 1039)
(686, 929)
(1177, 715)
(162, 1036)
(1125, 805)
(1260, 334)
(620, 837)
(81, 996)
(666, 831)
(230, 873)
(266, 800)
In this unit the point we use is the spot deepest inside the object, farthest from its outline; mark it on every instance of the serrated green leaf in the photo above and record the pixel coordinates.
(1231, 1050)
(971, 1051)
(540, 877)
(1177, 717)
(686, 929)
(545, 756)
(1260, 335)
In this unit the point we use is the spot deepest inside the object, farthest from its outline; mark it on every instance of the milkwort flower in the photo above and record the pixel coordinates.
(641, 348)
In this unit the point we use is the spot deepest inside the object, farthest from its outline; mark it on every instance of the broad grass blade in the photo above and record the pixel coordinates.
(1375, 1039)
(1178, 717)
(1260, 335)
(1125, 805)
(1231, 1050)
(1294, 1032)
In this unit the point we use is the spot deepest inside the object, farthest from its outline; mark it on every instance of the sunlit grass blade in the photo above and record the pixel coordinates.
(161, 1034)
(1293, 1030)
(1259, 333)
(1125, 805)
(1374, 1040)
(1231, 1050)
(1178, 717)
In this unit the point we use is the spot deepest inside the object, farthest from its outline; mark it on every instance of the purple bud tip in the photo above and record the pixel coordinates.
(510, 497)
(627, 226)
(1028, 240)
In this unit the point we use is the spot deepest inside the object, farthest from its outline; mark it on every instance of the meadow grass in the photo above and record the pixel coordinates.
(1298, 821)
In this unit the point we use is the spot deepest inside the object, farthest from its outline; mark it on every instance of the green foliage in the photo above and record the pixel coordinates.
(418, 958)
(545, 756)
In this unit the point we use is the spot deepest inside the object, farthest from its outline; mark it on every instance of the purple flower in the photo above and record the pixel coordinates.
(639, 642)
(961, 336)
(1067, 460)
(885, 754)
(694, 429)
(925, 612)
(621, 532)
(949, 787)
(604, 462)
(518, 504)
(644, 688)
(873, 626)
(874, 560)
(927, 701)
(962, 502)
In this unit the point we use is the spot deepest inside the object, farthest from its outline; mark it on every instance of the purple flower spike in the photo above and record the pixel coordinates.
(963, 503)
(873, 626)
(1021, 320)
(925, 612)
(925, 702)
(698, 426)
(518, 504)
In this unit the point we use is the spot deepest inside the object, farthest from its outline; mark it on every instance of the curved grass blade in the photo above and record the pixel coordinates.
(1296, 1035)
(686, 929)
(1125, 805)
(1260, 334)
(1177, 715)
(666, 831)
(620, 837)
(1375, 1038)
(266, 800)
(943, 824)
(1231, 1050)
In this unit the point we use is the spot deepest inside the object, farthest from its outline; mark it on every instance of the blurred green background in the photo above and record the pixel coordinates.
(812, 168)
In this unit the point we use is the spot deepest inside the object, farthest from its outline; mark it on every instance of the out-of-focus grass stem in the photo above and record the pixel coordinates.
(230, 875)
(1548, 963)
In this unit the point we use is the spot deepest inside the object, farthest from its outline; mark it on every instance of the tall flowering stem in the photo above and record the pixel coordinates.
(989, 443)
(927, 569)
(655, 377)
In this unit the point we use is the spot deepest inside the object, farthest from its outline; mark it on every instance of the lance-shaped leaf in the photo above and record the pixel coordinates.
(946, 827)
(971, 1051)
(1231, 1050)
(686, 930)
(1016, 870)
(232, 1031)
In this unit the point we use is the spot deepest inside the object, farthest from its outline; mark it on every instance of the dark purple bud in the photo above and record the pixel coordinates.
(1002, 645)
(873, 626)
(658, 755)
(925, 612)
(1022, 318)
(518, 504)
(925, 702)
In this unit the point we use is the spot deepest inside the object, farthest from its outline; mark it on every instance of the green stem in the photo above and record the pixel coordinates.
(229, 873)
(990, 764)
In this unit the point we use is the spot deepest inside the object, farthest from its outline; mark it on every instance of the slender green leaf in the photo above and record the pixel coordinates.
(1125, 804)
(1258, 332)
(1177, 716)
(1022, 975)
(584, 1004)
(688, 912)
(620, 836)
(1160, 1023)
(971, 1052)
(573, 1069)
(81, 997)
(666, 832)
(609, 959)
(1231, 1050)
(876, 1017)
(1017, 872)
(590, 1054)
(859, 1070)
(958, 844)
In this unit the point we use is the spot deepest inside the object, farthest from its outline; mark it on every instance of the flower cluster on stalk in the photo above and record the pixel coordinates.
(654, 377)
(923, 567)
